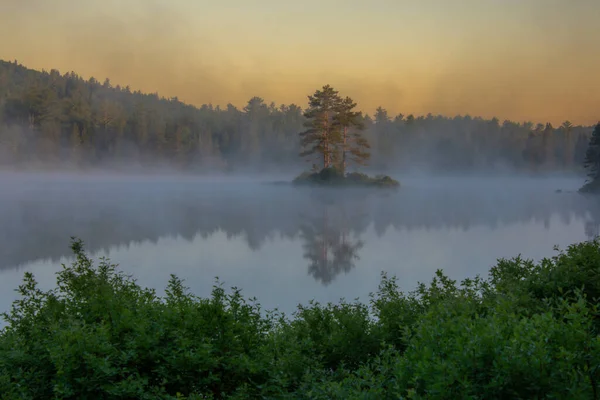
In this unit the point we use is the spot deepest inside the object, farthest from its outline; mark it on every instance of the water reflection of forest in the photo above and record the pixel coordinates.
(36, 222)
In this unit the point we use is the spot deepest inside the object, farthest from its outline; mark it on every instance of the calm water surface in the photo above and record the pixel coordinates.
(281, 244)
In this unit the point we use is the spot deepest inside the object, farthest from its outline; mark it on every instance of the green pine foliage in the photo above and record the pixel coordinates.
(334, 131)
(334, 135)
(530, 330)
(321, 136)
(354, 147)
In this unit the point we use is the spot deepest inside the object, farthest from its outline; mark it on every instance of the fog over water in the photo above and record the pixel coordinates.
(282, 244)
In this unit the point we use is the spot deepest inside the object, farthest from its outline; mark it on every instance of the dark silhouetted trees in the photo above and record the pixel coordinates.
(592, 155)
(51, 119)
(592, 162)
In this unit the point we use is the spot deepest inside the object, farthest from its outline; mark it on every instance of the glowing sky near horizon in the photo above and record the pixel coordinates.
(535, 60)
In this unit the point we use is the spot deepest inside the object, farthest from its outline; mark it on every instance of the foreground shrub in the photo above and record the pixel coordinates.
(528, 331)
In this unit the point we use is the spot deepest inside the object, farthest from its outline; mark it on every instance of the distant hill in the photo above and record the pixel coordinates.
(49, 119)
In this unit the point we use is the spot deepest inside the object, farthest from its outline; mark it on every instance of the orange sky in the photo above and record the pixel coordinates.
(533, 60)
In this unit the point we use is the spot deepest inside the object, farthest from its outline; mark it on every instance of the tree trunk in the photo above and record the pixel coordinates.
(326, 159)
(31, 121)
(569, 149)
(344, 149)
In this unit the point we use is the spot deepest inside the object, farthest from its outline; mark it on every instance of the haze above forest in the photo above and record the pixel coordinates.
(520, 60)
(49, 119)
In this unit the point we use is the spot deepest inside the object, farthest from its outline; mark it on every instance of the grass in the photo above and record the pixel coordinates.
(528, 330)
(334, 178)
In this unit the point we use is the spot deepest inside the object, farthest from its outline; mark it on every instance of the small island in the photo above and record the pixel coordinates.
(333, 135)
(332, 176)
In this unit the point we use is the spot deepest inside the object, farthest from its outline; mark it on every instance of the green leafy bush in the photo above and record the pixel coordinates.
(528, 331)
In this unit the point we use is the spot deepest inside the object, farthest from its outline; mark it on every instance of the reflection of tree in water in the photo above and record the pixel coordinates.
(592, 228)
(37, 221)
(328, 243)
(592, 223)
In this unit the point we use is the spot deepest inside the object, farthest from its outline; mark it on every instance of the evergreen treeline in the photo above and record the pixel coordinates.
(49, 118)
(591, 163)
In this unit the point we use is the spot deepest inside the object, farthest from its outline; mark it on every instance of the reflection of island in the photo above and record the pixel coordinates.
(328, 243)
(36, 221)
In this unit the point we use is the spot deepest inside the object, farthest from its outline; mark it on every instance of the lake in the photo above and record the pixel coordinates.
(281, 244)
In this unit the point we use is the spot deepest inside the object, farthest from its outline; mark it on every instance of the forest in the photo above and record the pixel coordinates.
(49, 119)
